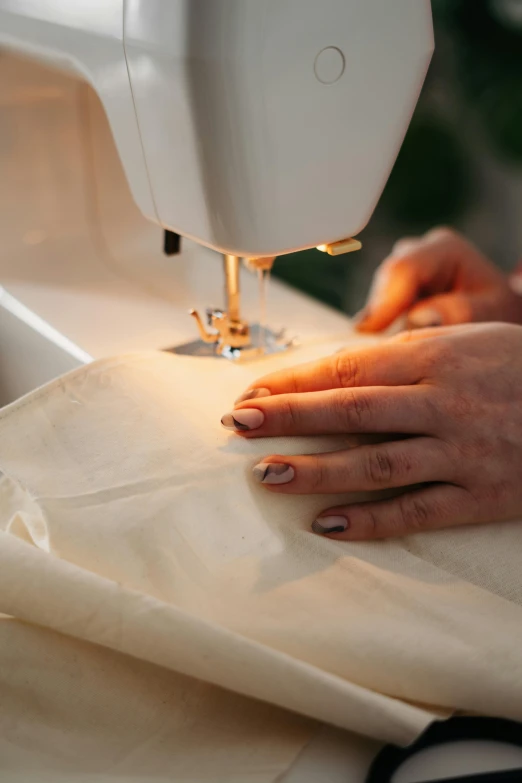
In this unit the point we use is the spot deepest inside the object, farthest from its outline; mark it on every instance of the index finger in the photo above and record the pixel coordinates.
(388, 364)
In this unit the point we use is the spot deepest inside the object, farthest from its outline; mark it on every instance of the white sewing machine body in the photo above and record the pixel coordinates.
(82, 273)
(253, 128)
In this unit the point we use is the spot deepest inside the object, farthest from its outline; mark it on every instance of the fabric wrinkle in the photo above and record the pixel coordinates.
(162, 548)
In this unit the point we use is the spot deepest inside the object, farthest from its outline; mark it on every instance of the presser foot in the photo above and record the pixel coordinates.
(263, 342)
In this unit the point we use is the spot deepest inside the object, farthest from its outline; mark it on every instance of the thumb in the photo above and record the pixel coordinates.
(448, 309)
(416, 268)
(394, 290)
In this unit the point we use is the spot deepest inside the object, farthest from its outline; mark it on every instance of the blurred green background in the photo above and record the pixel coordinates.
(461, 163)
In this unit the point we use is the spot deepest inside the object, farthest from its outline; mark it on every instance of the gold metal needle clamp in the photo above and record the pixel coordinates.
(232, 337)
(229, 331)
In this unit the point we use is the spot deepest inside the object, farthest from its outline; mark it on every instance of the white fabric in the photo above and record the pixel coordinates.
(131, 521)
(72, 712)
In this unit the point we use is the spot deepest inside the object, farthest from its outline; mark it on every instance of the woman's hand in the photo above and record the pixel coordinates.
(438, 279)
(456, 392)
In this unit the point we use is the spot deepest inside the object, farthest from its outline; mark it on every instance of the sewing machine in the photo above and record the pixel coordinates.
(142, 138)
(252, 127)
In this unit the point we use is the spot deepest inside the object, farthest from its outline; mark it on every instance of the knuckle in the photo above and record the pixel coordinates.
(499, 491)
(494, 492)
(415, 512)
(368, 521)
(436, 355)
(317, 474)
(380, 467)
(468, 457)
(479, 447)
(349, 370)
(339, 409)
(389, 468)
(356, 409)
(460, 406)
(452, 459)
(290, 413)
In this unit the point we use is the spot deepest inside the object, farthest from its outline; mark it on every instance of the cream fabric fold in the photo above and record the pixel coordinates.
(72, 712)
(131, 521)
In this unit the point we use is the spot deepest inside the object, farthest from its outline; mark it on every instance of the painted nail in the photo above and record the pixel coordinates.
(252, 394)
(273, 473)
(243, 421)
(421, 319)
(325, 525)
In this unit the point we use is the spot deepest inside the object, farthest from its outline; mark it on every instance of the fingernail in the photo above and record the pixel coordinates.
(325, 525)
(515, 283)
(424, 318)
(360, 317)
(252, 394)
(242, 421)
(273, 473)
(362, 320)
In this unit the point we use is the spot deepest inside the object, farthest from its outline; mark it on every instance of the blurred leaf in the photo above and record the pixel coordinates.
(489, 62)
(317, 274)
(431, 180)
